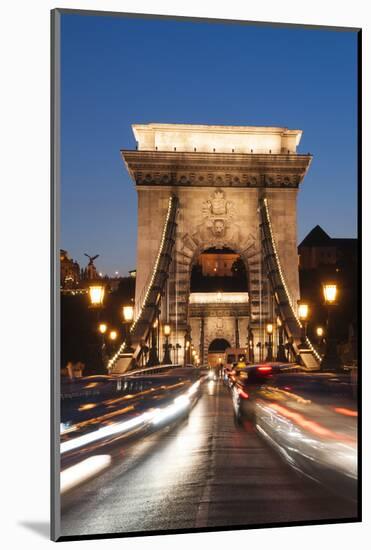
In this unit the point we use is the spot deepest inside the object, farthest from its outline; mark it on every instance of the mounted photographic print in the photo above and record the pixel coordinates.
(205, 272)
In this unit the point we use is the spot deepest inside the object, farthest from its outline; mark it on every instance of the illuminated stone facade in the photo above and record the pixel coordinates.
(218, 174)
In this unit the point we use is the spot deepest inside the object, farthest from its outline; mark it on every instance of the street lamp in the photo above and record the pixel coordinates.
(144, 351)
(319, 334)
(331, 360)
(251, 345)
(281, 355)
(103, 329)
(176, 348)
(167, 359)
(96, 295)
(303, 311)
(187, 345)
(128, 315)
(153, 355)
(260, 348)
(113, 337)
(187, 348)
(330, 293)
(269, 345)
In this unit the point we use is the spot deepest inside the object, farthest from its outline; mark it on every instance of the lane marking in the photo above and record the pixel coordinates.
(202, 515)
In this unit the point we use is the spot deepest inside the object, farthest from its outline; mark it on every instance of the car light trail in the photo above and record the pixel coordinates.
(243, 394)
(194, 388)
(155, 416)
(179, 404)
(78, 473)
(310, 425)
(346, 412)
(101, 433)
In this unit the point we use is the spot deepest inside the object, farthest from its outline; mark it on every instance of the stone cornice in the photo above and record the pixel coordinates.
(219, 310)
(215, 169)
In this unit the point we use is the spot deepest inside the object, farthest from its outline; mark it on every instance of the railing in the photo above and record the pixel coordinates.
(152, 291)
(292, 324)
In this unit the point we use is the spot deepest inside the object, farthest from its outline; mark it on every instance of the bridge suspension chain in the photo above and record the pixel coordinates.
(154, 288)
(276, 277)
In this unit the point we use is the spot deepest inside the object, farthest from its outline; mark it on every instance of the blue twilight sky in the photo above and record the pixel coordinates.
(120, 71)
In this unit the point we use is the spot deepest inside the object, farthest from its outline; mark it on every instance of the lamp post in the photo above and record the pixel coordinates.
(112, 337)
(144, 352)
(167, 359)
(260, 348)
(281, 355)
(153, 355)
(128, 315)
(177, 347)
(319, 334)
(303, 311)
(103, 329)
(269, 344)
(251, 345)
(187, 346)
(96, 293)
(331, 360)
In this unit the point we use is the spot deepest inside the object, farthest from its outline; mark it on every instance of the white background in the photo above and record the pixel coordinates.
(24, 288)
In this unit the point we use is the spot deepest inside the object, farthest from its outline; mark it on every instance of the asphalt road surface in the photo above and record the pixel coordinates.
(202, 472)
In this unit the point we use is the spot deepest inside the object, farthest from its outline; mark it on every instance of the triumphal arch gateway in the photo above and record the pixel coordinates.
(218, 176)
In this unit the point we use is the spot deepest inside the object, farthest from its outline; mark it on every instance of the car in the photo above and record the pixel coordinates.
(244, 384)
(311, 419)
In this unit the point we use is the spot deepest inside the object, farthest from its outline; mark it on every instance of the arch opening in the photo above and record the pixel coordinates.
(219, 345)
(216, 352)
(219, 270)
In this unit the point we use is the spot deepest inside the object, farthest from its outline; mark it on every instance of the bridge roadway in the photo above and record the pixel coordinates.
(202, 472)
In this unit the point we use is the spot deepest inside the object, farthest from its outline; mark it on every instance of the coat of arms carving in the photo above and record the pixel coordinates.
(218, 220)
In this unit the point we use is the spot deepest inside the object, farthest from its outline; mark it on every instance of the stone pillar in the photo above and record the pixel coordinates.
(202, 339)
(237, 334)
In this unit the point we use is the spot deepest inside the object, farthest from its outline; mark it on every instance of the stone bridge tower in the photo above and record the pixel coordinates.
(218, 174)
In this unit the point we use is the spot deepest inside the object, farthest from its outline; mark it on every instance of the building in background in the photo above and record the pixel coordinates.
(217, 263)
(319, 249)
(323, 259)
(70, 271)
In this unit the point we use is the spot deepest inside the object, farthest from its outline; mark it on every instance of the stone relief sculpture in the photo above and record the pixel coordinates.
(218, 225)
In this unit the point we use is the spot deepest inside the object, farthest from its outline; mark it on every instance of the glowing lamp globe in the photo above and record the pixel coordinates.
(128, 313)
(330, 293)
(96, 295)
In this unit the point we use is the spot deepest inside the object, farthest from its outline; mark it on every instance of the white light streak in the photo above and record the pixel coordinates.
(155, 416)
(179, 405)
(106, 431)
(78, 473)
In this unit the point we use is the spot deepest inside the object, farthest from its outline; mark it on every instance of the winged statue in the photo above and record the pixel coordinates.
(91, 258)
